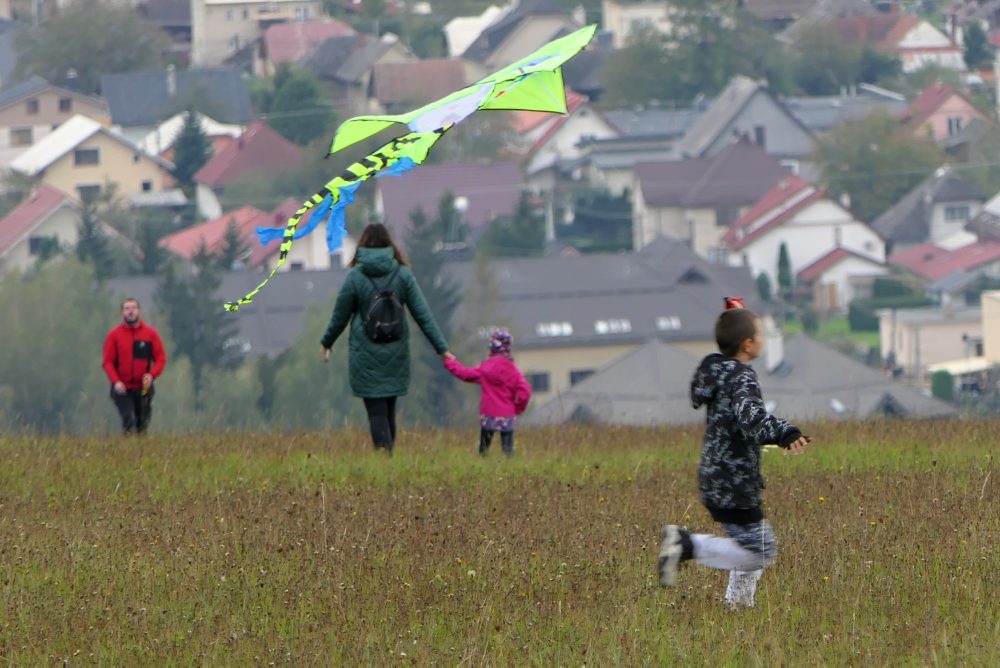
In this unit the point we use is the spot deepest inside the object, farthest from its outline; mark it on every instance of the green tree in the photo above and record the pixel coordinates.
(977, 52)
(824, 64)
(234, 249)
(14, 188)
(92, 244)
(434, 388)
(875, 163)
(300, 111)
(785, 284)
(943, 386)
(201, 329)
(764, 287)
(52, 331)
(191, 151)
(601, 221)
(89, 38)
(634, 73)
(522, 235)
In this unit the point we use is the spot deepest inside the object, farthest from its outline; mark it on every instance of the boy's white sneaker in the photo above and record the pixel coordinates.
(671, 549)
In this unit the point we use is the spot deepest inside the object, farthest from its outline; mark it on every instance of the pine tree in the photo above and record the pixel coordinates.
(300, 111)
(191, 151)
(92, 246)
(234, 248)
(784, 273)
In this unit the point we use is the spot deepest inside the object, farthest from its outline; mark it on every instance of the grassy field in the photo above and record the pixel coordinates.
(251, 549)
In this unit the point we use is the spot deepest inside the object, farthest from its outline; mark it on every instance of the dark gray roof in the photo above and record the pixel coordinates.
(166, 13)
(584, 72)
(15, 92)
(720, 113)
(738, 175)
(650, 385)
(820, 114)
(496, 33)
(653, 122)
(362, 58)
(908, 221)
(142, 98)
(327, 57)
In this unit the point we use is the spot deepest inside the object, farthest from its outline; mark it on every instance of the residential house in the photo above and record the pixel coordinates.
(160, 140)
(308, 252)
(650, 385)
(572, 315)
(822, 113)
(140, 101)
(461, 31)
(911, 39)
(696, 200)
(32, 109)
(345, 65)
(838, 278)
(939, 113)
(980, 353)
(811, 225)
(553, 140)
(221, 28)
(936, 211)
(626, 19)
(779, 14)
(527, 26)
(931, 262)
(291, 42)
(83, 157)
(172, 17)
(643, 135)
(45, 214)
(483, 194)
(259, 150)
(914, 339)
(398, 87)
(745, 109)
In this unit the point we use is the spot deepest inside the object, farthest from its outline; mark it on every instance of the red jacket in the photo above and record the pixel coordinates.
(130, 352)
(505, 391)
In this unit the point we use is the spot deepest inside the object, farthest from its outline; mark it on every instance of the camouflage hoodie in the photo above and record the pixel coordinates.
(737, 425)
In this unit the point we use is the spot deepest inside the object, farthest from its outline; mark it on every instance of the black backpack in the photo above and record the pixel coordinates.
(384, 319)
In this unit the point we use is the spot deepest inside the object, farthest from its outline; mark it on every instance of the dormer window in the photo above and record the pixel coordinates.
(32, 106)
(554, 329)
(668, 323)
(613, 326)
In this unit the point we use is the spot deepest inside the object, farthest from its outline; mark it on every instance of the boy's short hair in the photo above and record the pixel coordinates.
(733, 328)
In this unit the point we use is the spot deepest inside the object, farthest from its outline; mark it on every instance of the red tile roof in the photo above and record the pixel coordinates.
(32, 210)
(288, 42)
(882, 31)
(212, 235)
(414, 83)
(831, 259)
(933, 262)
(789, 196)
(259, 149)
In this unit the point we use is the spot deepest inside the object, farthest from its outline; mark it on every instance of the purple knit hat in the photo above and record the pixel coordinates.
(500, 340)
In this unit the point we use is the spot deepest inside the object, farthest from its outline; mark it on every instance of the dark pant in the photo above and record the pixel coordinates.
(382, 421)
(506, 441)
(135, 408)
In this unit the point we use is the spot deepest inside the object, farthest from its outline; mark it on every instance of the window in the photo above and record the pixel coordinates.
(88, 193)
(838, 236)
(65, 104)
(760, 136)
(35, 245)
(246, 13)
(726, 216)
(87, 156)
(297, 265)
(147, 186)
(718, 255)
(539, 381)
(613, 326)
(956, 213)
(580, 375)
(668, 323)
(229, 15)
(554, 329)
(20, 137)
(32, 106)
(954, 125)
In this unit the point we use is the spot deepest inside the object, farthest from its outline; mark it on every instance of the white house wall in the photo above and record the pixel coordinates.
(925, 45)
(809, 235)
(952, 233)
(840, 275)
(562, 144)
(625, 19)
(209, 207)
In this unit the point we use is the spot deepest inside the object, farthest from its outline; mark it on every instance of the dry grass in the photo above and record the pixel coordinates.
(308, 548)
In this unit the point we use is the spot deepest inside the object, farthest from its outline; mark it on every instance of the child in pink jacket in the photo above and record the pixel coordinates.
(505, 392)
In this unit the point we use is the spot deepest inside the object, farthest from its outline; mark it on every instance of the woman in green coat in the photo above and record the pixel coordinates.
(379, 372)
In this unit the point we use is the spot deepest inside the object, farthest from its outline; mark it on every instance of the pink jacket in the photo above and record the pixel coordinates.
(505, 391)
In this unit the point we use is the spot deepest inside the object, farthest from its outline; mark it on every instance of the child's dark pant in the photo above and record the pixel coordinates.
(506, 441)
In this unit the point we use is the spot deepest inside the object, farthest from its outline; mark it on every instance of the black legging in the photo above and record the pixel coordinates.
(382, 421)
(506, 441)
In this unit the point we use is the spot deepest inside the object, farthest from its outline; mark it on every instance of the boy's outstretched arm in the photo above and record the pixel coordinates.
(755, 421)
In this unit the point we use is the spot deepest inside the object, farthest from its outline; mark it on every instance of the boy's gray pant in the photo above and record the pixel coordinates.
(744, 552)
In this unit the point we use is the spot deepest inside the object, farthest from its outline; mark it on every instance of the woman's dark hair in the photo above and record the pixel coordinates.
(733, 328)
(376, 235)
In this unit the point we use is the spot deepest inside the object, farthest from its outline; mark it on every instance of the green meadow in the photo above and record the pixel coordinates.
(313, 549)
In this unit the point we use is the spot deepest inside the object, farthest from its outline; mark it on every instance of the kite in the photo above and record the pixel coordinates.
(534, 83)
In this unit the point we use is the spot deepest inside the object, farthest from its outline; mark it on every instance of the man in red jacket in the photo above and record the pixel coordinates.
(133, 358)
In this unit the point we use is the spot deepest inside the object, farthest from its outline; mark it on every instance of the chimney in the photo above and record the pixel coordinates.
(72, 80)
(171, 81)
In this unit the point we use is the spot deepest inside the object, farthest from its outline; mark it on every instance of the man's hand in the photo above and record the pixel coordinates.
(324, 353)
(147, 381)
(798, 446)
(119, 387)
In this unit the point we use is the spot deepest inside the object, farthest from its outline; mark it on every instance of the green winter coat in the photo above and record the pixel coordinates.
(379, 370)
